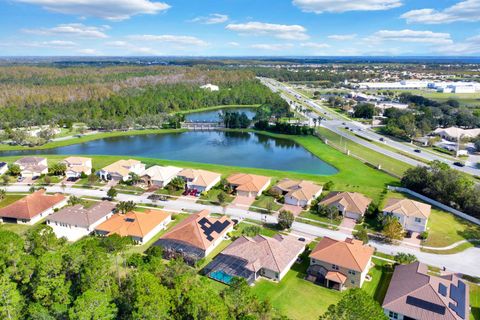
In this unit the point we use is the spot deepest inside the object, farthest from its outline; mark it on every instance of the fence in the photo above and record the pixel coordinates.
(436, 204)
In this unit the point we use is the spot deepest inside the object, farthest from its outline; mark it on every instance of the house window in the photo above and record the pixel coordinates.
(418, 220)
(334, 267)
(352, 281)
(352, 272)
(393, 315)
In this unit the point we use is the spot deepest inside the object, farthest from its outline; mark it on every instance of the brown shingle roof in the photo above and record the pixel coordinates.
(414, 293)
(31, 205)
(351, 201)
(408, 207)
(134, 224)
(299, 189)
(192, 232)
(79, 216)
(351, 254)
(273, 253)
(248, 182)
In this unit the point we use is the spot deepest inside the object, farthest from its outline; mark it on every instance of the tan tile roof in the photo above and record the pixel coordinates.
(78, 215)
(31, 205)
(408, 207)
(351, 201)
(161, 173)
(273, 253)
(201, 178)
(32, 164)
(190, 230)
(134, 224)
(299, 189)
(122, 167)
(78, 164)
(412, 282)
(248, 182)
(351, 254)
(335, 276)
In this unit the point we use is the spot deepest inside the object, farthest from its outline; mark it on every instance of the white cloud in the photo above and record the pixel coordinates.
(281, 31)
(132, 48)
(71, 30)
(272, 47)
(320, 6)
(116, 10)
(411, 36)
(233, 44)
(469, 46)
(213, 18)
(342, 37)
(88, 51)
(172, 39)
(468, 10)
(314, 45)
(57, 44)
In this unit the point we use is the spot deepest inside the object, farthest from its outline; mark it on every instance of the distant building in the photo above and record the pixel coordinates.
(454, 133)
(210, 87)
(414, 294)
(32, 208)
(75, 222)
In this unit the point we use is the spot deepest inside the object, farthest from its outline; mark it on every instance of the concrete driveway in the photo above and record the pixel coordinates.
(242, 202)
(296, 210)
(347, 225)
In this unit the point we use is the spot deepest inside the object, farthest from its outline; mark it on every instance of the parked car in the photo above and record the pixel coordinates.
(301, 239)
(417, 150)
(381, 139)
(458, 164)
(20, 179)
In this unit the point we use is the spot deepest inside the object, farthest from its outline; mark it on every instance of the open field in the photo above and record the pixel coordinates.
(232, 106)
(467, 99)
(389, 164)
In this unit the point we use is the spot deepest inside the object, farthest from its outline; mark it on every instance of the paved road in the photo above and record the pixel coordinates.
(465, 262)
(337, 122)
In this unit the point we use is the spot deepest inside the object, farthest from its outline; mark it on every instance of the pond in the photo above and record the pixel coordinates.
(243, 149)
(214, 115)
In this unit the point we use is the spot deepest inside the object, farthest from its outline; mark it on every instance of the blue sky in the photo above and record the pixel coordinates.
(239, 27)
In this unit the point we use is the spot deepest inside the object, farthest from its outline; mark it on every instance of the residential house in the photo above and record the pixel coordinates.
(251, 258)
(340, 264)
(120, 170)
(412, 215)
(75, 222)
(32, 208)
(77, 165)
(454, 133)
(195, 237)
(415, 294)
(201, 180)
(248, 185)
(350, 204)
(140, 226)
(3, 168)
(159, 176)
(32, 167)
(298, 192)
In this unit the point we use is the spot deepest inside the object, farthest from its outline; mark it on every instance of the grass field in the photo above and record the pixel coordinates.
(229, 106)
(475, 301)
(264, 200)
(389, 164)
(467, 99)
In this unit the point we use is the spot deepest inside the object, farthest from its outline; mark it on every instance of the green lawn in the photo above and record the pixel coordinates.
(316, 217)
(262, 202)
(475, 301)
(389, 164)
(381, 275)
(212, 196)
(264, 230)
(296, 297)
(9, 199)
(228, 106)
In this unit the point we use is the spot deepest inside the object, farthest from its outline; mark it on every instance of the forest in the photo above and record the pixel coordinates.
(42, 277)
(45, 95)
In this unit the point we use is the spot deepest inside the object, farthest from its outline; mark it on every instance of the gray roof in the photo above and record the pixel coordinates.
(81, 217)
(414, 293)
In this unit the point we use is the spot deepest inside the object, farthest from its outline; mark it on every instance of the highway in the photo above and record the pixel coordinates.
(463, 262)
(363, 134)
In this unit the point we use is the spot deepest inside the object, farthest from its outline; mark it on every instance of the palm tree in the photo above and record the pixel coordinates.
(3, 194)
(134, 178)
(125, 206)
